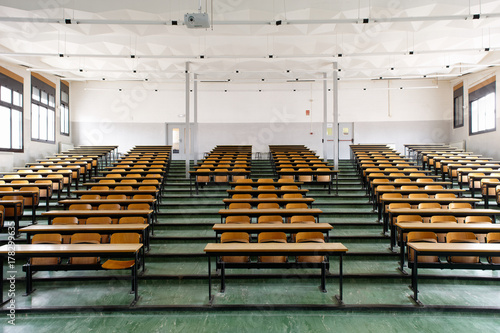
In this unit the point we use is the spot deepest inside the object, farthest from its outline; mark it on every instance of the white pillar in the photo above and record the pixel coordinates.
(187, 134)
(195, 119)
(325, 118)
(335, 116)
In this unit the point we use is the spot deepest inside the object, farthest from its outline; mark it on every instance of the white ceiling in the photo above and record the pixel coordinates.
(96, 39)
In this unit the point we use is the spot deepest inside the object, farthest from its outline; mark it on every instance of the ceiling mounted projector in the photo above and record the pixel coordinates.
(197, 20)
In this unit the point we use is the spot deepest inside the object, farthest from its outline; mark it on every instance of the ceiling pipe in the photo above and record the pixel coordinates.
(313, 56)
(42, 20)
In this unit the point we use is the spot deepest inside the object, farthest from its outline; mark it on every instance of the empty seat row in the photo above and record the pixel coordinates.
(272, 237)
(243, 219)
(451, 237)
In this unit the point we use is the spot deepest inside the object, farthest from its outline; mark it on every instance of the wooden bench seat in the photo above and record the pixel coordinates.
(106, 229)
(270, 211)
(460, 212)
(256, 228)
(271, 249)
(406, 227)
(415, 201)
(280, 201)
(450, 249)
(71, 250)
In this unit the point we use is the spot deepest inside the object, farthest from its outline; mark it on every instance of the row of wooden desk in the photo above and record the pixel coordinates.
(219, 250)
(10, 254)
(460, 212)
(133, 251)
(414, 150)
(401, 229)
(275, 249)
(301, 164)
(450, 249)
(47, 176)
(225, 163)
(476, 171)
(148, 180)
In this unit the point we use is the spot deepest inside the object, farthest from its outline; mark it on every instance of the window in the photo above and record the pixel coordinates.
(482, 107)
(64, 109)
(11, 111)
(43, 109)
(458, 106)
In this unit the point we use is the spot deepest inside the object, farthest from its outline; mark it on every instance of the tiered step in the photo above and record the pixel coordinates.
(185, 220)
(262, 169)
(185, 225)
(351, 214)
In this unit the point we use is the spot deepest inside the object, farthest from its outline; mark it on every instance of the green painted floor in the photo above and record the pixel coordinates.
(262, 320)
(174, 289)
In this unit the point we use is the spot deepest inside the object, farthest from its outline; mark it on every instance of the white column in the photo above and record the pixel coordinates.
(325, 117)
(187, 136)
(335, 116)
(195, 119)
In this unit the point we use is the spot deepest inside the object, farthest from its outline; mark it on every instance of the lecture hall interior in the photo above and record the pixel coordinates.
(249, 166)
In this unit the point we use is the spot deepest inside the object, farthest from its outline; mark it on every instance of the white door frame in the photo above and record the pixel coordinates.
(181, 155)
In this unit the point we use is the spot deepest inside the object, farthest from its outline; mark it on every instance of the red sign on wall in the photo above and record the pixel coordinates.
(308, 112)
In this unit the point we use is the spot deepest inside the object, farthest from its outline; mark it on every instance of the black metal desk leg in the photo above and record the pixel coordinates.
(385, 215)
(151, 223)
(134, 278)
(414, 277)
(209, 281)
(145, 236)
(394, 236)
(33, 211)
(1, 281)
(29, 280)
(222, 277)
(341, 277)
(340, 297)
(2, 301)
(323, 277)
(143, 254)
(16, 222)
(401, 252)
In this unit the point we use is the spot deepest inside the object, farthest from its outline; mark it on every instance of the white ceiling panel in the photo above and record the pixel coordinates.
(367, 38)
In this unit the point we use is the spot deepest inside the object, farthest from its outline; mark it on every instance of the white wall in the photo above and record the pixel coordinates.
(32, 150)
(137, 102)
(140, 102)
(486, 144)
(124, 134)
(103, 114)
(260, 135)
(419, 100)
